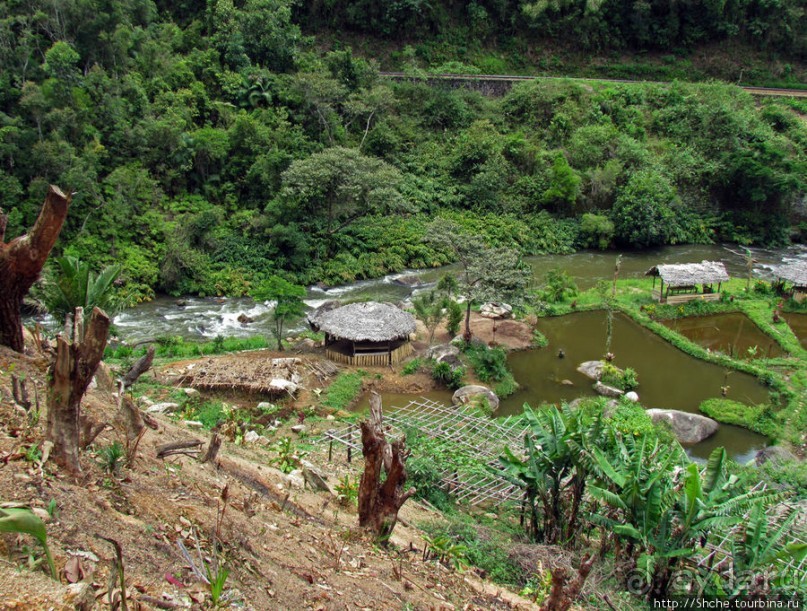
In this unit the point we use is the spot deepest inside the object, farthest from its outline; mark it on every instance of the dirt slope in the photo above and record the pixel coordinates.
(285, 547)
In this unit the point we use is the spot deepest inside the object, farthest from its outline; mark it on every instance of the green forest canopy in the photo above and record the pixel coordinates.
(210, 147)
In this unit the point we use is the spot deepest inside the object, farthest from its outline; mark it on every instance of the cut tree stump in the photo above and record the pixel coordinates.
(379, 501)
(70, 374)
(21, 261)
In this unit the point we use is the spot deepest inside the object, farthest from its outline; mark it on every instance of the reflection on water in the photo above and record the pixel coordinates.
(734, 334)
(668, 377)
(798, 324)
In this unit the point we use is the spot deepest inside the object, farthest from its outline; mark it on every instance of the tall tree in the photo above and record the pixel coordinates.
(330, 190)
(485, 273)
(21, 261)
(288, 300)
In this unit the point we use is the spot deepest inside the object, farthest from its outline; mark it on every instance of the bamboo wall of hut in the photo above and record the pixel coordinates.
(374, 359)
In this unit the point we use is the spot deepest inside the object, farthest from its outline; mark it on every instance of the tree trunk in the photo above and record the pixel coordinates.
(565, 592)
(379, 502)
(21, 261)
(70, 374)
(468, 335)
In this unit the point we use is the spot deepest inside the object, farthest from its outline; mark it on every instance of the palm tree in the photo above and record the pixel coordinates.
(73, 285)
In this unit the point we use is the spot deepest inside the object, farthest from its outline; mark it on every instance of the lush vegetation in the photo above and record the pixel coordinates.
(612, 24)
(656, 509)
(213, 146)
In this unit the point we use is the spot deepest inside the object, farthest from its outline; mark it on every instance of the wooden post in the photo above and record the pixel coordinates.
(70, 374)
(379, 501)
(21, 261)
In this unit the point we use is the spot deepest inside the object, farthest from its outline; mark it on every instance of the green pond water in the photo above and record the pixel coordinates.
(798, 324)
(732, 333)
(668, 377)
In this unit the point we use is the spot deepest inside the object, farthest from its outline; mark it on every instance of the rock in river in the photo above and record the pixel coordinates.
(688, 428)
(472, 394)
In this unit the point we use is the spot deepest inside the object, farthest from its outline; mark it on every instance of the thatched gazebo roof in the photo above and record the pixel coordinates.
(367, 321)
(690, 274)
(793, 272)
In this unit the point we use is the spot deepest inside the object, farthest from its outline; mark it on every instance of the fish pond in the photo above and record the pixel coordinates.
(668, 377)
(732, 333)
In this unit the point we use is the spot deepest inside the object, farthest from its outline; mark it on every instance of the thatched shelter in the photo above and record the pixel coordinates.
(365, 334)
(682, 280)
(243, 373)
(796, 275)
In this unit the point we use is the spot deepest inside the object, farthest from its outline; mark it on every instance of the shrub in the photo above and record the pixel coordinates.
(558, 287)
(454, 319)
(490, 364)
(412, 366)
(539, 340)
(624, 380)
(447, 375)
(596, 231)
(210, 414)
(733, 412)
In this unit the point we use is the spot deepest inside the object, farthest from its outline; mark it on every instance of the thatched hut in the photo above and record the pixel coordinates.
(796, 275)
(365, 334)
(682, 281)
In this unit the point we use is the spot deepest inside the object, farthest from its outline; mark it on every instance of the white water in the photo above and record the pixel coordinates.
(206, 318)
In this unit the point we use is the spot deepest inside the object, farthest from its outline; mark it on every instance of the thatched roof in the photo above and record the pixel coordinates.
(690, 274)
(243, 373)
(367, 321)
(793, 272)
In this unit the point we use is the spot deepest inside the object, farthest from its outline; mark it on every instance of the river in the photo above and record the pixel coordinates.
(205, 318)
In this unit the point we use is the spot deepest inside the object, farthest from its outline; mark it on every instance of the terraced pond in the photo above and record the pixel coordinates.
(733, 334)
(668, 377)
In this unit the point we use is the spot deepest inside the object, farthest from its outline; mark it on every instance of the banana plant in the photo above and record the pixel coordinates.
(555, 468)
(24, 521)
(763, 544)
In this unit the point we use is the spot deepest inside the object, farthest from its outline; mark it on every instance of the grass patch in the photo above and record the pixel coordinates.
(209, 413)
(412, 366)
(485, 546)
(752, 417)
(343, 390)
(178, 347)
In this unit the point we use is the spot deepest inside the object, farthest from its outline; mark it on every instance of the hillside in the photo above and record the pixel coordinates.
(211, 148)
(285, 547)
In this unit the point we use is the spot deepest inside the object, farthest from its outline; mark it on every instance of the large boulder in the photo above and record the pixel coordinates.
(775, 455)
(474, 395)
(591, 369)
(688, 428)
(445, 353)
(410, 280)
(496, 310)
(607, 391)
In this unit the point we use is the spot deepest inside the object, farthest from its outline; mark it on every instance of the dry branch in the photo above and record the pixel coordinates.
(71, 372)
(212, 448)
(141, 366)
(20, 392)
(564, 592)
(188, 447)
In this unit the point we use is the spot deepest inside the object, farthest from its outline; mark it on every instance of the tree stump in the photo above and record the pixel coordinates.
(70, 374)
(21, 261)
(379, 501)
